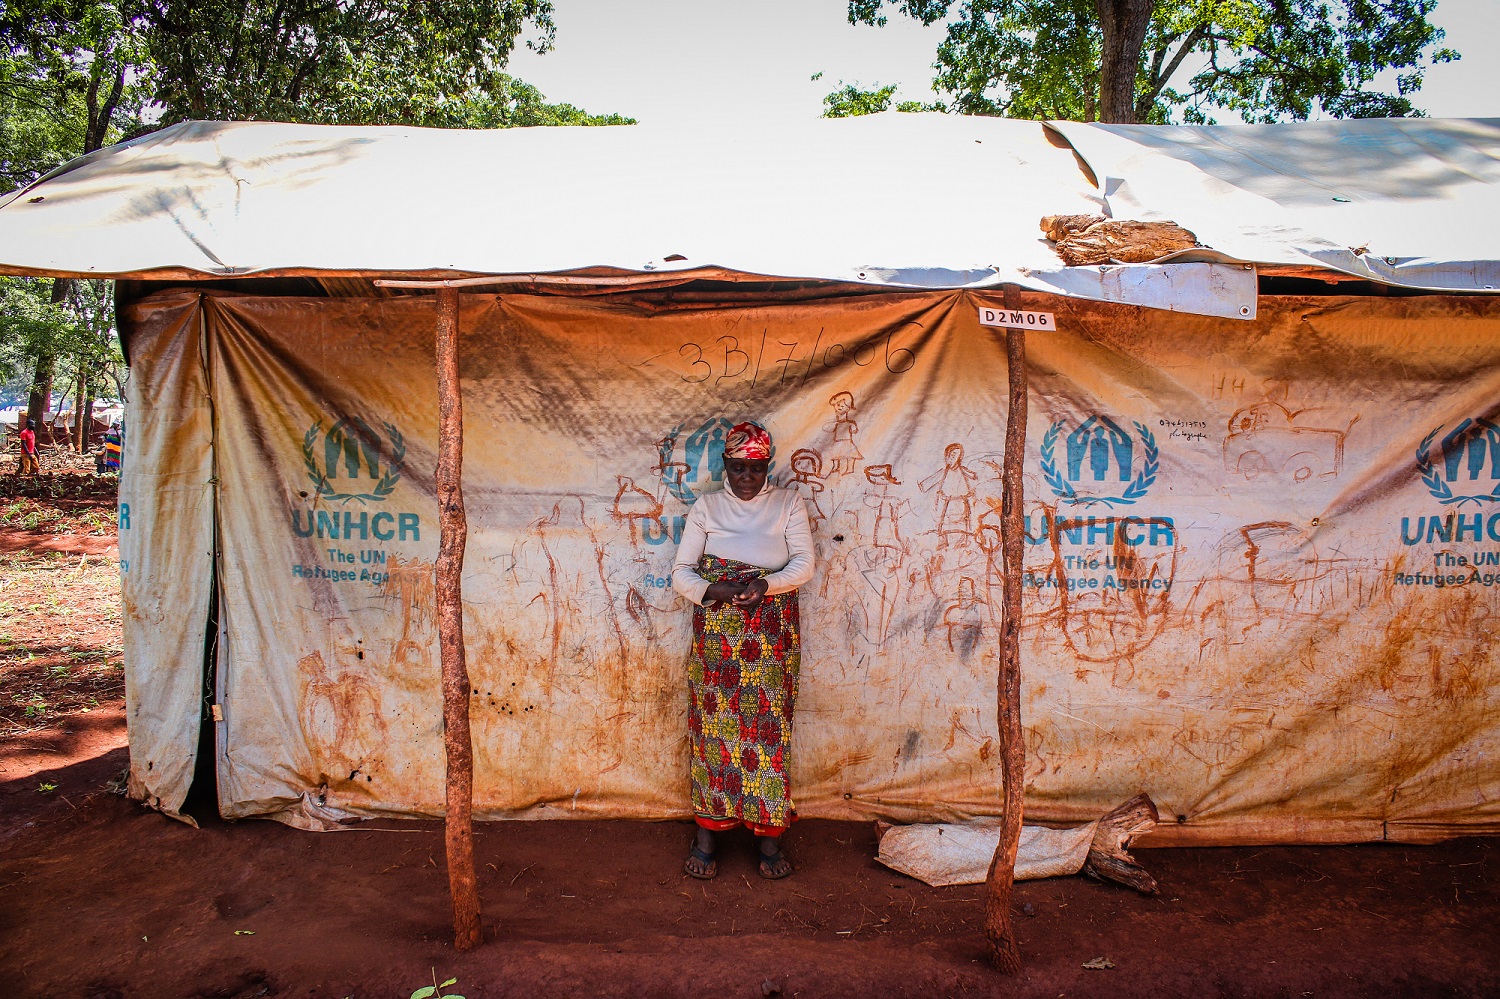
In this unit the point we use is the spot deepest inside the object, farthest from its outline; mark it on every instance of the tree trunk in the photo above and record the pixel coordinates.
(79, 434)
(100, 114)
(62, 402)
(39, 399)
(998, 928)
(88, 421)
(458, 823)
(1123, 24)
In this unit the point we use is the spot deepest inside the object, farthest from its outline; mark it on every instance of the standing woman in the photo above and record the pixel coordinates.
(744, 552)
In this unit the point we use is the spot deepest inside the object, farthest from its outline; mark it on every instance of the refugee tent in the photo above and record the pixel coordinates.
(1262, 479)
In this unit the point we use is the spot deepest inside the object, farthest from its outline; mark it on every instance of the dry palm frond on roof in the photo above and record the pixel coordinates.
(1094, 239)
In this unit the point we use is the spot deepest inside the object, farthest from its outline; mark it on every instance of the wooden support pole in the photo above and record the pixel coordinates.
(453, 529)
(997, 921)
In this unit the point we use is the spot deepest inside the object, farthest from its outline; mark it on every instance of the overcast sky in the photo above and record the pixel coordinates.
(681, 61)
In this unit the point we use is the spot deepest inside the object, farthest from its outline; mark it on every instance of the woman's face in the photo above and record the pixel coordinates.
(746, 477)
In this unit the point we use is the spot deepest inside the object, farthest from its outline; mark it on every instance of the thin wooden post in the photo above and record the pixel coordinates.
(453, 528)
(998, 929)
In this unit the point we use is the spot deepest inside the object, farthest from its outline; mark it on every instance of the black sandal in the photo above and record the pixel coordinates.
(710, 865)
(768, 862)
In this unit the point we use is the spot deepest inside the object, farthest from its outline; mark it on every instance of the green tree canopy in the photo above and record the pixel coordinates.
(73, 326)
(320, 61)
(1139, 61)
(77, 74)
(850, 101)
(40, 125)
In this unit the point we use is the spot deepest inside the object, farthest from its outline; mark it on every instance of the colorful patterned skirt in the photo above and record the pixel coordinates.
(112, 447)
(742, 682)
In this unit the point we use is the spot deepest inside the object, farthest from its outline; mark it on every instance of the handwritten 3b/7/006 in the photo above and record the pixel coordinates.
(766, 359)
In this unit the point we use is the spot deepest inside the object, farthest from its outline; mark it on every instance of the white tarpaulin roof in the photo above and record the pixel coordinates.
(1404, 201)
(899, 200)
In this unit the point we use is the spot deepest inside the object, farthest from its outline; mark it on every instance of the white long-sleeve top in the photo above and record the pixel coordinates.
(770, 531)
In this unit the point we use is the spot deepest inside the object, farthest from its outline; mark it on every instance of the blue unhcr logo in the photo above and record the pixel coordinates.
(349, 465)
(1465, 452)
(1098, 454)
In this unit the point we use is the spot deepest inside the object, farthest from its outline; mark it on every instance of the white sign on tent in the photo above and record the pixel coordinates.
(1017, 318)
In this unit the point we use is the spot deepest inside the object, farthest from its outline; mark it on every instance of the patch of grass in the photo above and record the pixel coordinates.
(98, 522)
(86, 515)
(60, 641)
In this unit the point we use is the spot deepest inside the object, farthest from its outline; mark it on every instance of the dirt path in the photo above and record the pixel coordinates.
(13, 540)
(104, 900)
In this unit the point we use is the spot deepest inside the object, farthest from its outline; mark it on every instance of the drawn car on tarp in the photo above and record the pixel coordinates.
(1265, 440)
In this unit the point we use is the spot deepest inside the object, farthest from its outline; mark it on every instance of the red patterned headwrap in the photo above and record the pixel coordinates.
(748, 441)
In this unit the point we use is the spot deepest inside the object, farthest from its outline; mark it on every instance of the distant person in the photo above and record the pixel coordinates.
(114, 441)
(29, 464)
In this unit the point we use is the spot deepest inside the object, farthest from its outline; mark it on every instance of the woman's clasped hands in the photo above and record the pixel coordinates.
(745, 596)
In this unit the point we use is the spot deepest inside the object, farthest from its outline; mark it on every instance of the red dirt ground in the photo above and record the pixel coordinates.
(102, 899)
(12, 540)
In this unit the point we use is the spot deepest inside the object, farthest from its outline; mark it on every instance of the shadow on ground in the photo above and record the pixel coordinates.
(106, 899)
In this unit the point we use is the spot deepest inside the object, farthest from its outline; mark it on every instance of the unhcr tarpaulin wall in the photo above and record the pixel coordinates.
(1263, 565)
(166, 544)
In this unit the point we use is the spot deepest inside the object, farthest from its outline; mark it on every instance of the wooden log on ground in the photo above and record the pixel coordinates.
(458, 822)
(1107, 858)
(998, 926)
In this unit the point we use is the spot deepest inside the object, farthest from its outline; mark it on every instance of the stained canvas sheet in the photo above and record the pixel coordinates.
(1261, 563)
(166, 544)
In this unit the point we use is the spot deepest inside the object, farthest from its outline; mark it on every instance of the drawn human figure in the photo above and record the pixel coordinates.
(639, 610)
(887, 550)
(1094, 439)
(341, 715)
(964, 620)
(633, 505)
(955, 497)
(671, 473)
(807, 478)
(844, 452)
(571, 597)
(988, 539)
(887, 532)
(556, 595)
(411, 584)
